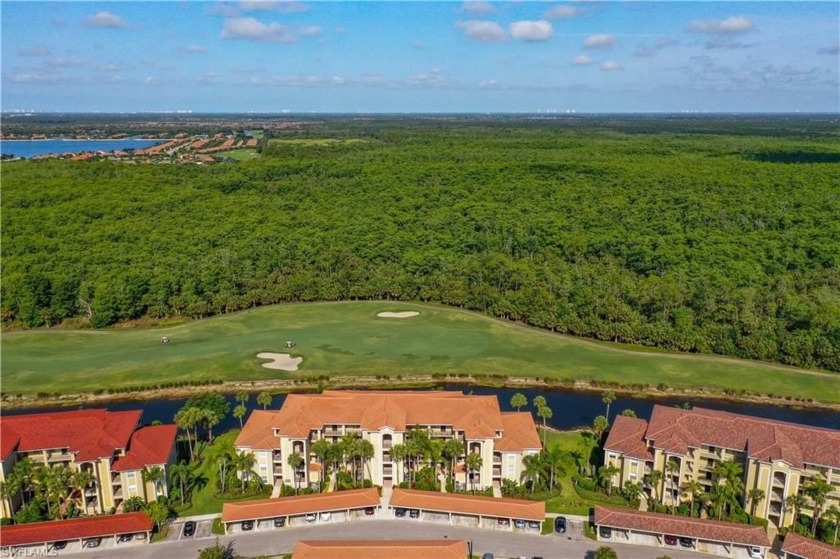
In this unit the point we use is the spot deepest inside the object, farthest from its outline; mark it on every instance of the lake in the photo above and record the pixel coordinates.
(32, 148)
(571, 409)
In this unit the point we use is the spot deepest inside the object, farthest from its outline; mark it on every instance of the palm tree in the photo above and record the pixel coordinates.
(539, 402)
(606, 474)
(223, 454)
(398, 454)
(366, 454)
(533, 469)
(264, 399)
(321, 450)
(350, 446)
(186, 419)
(817, 489)
(21, 477)
(608, 398)
(632, 490)
(545, 413)
(755, 495)
(80, 479)
(474, 462)
(453, 449)
(729, 475)
(518, 400)
(295, 460)
(672, 467)
(693, 489)
(833, 514)
(239, 412)
(554, 460)
(181, 475)
(653, 479)
(154, 475)
(795, 503)
(599, 425)
(242, 397)
(245, 464)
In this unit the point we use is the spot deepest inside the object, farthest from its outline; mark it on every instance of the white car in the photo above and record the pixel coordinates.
(755, 552)
(310, 518)
(326, 515)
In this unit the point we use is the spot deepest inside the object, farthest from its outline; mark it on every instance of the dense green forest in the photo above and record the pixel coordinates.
(722, 240)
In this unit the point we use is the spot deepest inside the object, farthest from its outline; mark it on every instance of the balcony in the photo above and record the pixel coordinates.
(277, 456)
(118, 494)
(497, 472)
(278, 471)
(116, 479)
(497, 458)
(59, 457)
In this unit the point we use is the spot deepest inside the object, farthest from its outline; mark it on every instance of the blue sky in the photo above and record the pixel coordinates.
(522, 56)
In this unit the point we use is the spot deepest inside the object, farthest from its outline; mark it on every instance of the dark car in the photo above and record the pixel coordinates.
(414, 513)
(247, 525)
(125, 538)
(560, 524)
(399, 512)
(671, 540)
(504, 521)
(605, 532)
(93, 542)
(58, 546)
(519, 523)
(370, 511)
(280, 522)
(534, 524)
(189, 528)
(686, 542)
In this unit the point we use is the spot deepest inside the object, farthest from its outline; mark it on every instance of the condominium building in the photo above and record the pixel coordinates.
(384, 418)
(776, 457)
(110, 445)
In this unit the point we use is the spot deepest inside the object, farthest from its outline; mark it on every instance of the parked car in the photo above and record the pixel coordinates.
(93, 542)
(414, 513)
(326, 515)
(686, 542)
(58, 546)
(534, 524)
(560, 524)
(189, 528)
(504, 521)
(280, 522)
(487, 556)
(519, 523)
(124, 538)
(310, 517)
(399, 512)
(755, 552)
(370, 511)
(605, 532)
(247, 525)
(140, 536)
(671, 540)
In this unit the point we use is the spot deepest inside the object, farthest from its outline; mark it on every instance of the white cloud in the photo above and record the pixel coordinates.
(310, 31)
(34, 52)
(67, 63)
(582, 60)
(195, 49)
(482, 31)
(107, 20)
(432, 78)
(282, 6)
(223, 10)
(735, 24)
(563, 12)
(490, 84)
(251, 29)
(37, 77)
(610, 66)
(152, 80)
(648, 51)
(477, 8)
(531, 30)
(599, 41)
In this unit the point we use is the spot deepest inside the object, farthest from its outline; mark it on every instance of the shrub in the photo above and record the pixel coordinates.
(586, 483)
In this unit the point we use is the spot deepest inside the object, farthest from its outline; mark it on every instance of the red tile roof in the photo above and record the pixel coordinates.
(385, 549)
(627, 436)
(149, 446)
(258, 431)
(520, 433)
(681, 526)
(468, 504)
(74, 529)
(90, 434)
(302, 504)
(478, 416)
(674, 430)
(806, 548)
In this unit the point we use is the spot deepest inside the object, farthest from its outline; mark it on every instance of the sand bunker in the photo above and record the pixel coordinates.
(404, 314)
(282, 361)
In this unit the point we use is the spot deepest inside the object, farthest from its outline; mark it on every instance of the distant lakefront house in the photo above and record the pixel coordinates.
(779, 459)
(110, 445)
(385, 418)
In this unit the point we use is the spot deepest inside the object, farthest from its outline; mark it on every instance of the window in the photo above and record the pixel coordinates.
(634, 464)
(612, 455)
(632, 476)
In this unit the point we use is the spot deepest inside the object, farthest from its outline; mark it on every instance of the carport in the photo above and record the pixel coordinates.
(38, 537)
(726, 539)
(467, 509)
(343, 503)
(800, 547)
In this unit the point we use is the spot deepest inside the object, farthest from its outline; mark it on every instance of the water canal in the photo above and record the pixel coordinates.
(571, 408)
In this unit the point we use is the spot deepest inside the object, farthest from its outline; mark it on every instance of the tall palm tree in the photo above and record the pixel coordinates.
(693, 489)
(795, 503)
(632, 490)
(817, 489)
(755, 495)
(350, 445)
(554, 460)
(81, 479)
(264, 399)
(453, 449)
(366, 454)
(533, 469)
(321, 450)
(833, 514)
(295, 460)
(398, 455)
(181, 475)
(608, 398)
(474, 462)
(152, 474)
(223, 454)
(672, 468)
(245, 464)
(605, 474)
(653, 479)
(22, 475)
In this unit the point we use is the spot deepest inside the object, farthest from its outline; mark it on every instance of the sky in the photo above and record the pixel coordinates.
(428, 57)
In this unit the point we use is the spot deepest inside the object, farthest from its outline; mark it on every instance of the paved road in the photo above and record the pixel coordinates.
(278, 541)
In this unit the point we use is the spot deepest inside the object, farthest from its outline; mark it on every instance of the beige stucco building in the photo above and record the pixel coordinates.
(110, 445)
(776, 457)
(384, 418)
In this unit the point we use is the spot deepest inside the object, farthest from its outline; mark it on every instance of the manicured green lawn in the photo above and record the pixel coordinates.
(349, 339)
(241, 154)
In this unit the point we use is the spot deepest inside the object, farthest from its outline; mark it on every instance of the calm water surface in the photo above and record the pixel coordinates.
(571, 409)
(32, 148)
